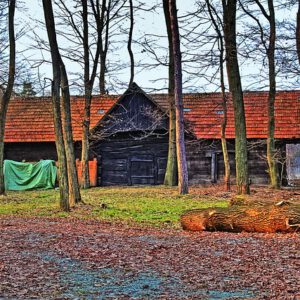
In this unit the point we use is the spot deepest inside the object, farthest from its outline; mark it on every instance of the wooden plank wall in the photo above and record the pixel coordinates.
(113, 157)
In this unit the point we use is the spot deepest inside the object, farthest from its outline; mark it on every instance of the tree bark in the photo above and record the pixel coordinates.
(224, 97)
(130, 43)
(99, 15)
(255, 217)
(6, 94)
(74, 191)
(235, 87)
(271, 150)
(298, 32)
(171, 175)
(87, 100)
(180, 145)
(59, 141)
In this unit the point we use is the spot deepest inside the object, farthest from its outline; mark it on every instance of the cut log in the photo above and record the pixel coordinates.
(255, 217)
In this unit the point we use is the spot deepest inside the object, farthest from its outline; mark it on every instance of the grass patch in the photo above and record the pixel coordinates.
(159, 206)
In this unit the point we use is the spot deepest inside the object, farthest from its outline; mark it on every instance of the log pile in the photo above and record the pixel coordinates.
(245, 216)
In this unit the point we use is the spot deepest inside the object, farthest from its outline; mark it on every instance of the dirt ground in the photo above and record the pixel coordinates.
(44, 258)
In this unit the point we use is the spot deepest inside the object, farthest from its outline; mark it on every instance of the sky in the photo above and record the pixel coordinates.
(152, 23)
(153, 79)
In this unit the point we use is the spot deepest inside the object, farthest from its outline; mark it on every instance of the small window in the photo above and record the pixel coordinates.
(220, 112)
(186, 109)
(101, 112)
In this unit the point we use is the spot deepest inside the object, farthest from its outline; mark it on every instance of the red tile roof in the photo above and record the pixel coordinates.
(30, 120)
(205, 114)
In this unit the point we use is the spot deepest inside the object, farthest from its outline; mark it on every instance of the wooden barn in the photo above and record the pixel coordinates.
(129, 135)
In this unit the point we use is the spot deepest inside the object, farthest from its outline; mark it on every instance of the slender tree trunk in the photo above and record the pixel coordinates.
(271, 150)
(60, 147)
(87, 99)
(171, 175)
(59, 142)
(74, 191)
(5, 95)
(102, 84)
(223, 138)
(235, 87)
(130, 43)
(85, 142)
(100, 15)
(181, 154)
(298, 32)
(224, 124)
(224, 98)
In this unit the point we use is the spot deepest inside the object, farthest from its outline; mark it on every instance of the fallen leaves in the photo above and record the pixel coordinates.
(44, 258)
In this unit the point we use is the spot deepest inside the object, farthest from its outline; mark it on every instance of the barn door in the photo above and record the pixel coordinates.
(142, 170)
(293, 163)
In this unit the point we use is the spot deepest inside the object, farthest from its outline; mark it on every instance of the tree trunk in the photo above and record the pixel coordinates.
(85, 143)
(224, 96)
(130, 43)
(103, 45)
(59, 141)
(5, 95)
(180, 145)
(235, 87)
(271, 150)
(171, 175)
(85, 180)
(74, 191)
(298, 32)
(224, 121)
(255, 217)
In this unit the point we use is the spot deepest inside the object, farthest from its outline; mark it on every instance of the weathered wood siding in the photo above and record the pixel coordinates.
(293, 163)
(130, 161)
(206, 165)
(30, 151)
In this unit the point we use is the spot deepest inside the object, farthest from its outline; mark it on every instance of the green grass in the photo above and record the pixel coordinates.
(159, 206)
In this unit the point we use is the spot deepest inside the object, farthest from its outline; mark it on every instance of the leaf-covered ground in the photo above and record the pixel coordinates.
(55, 258)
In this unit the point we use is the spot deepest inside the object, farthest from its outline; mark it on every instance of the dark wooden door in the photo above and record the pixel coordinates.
(142, 170)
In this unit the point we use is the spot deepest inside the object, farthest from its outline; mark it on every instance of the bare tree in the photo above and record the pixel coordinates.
(62, 118)
(129, 44)
(267, 41)
(235, 87)
(298, 32)
(217, 24)
(7, 87)
(181, 155)
(59, 141)
(171, 175)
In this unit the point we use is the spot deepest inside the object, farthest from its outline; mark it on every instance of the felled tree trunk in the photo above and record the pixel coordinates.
(255, 217)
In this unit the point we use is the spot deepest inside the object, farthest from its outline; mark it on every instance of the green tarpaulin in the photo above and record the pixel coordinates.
(29, 176)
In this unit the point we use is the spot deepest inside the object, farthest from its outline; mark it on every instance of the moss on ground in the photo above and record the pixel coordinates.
(159, 206)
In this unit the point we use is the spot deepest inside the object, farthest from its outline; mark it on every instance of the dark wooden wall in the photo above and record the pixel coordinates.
(206, 165)
(131, 158)
(128, 160)
(30, 151)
